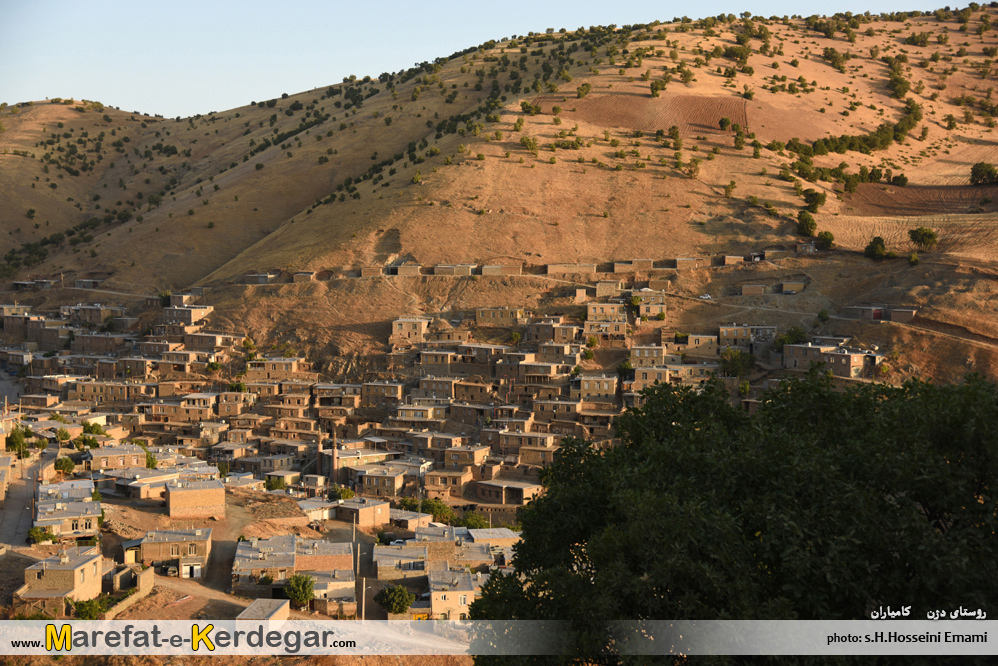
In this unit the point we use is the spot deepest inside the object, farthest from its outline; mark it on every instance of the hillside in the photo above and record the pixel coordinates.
(574, 158)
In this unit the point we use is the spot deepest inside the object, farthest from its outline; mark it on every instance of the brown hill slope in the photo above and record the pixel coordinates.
(258, 205)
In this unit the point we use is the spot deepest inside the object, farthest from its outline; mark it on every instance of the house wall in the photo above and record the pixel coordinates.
(195, 503)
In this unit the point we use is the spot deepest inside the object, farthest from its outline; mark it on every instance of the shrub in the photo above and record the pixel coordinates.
(923, 238)
(876, 248)
(913, 259)
(259, 166)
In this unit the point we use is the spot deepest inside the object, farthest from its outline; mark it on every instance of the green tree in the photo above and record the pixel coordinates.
(983, 173)
(300, 589)
(806, 226)
(17, 443)
(473, 521)
(876, 249)
(62, 435)
(150, 460)
(814, 199)
(237, 387)
(515, 337)
(65, 465)
(767, 516)
(794, 336)
(440, 511)
(338, 492)
(275, 483)
(826, 240)
(923, 238)
(395, 599)
(736, 363)
(93, 428)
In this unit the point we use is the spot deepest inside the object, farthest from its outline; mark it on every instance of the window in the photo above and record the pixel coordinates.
(175, 550)
(39, 574)
(83, 575)
(192, 549)
(463, 600)
(443, 597)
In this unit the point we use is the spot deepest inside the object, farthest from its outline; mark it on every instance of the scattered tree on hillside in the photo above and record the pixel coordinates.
(814, 199)
(983, 173)
(825, 241)
(876, 249)
(923, 238)
(806, 226)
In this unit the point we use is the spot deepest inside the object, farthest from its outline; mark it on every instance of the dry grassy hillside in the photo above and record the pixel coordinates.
(586, 164)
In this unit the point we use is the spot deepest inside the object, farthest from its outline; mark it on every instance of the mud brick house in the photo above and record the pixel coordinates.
(278, 368)
(51, 585)
(381, 394)
(68, 518)
(840, 361)
(280, 557)
(504, 316)
(113, 457)
(187, 315)
(408, 331)
(502, 491)
(601, 388)
(381, 481)
(495, 536)
(443, 483)
(754, 339)
(645, 356)
(364, 511)
(400, 562)
(195, 499)
(452, 592)
(188, 550)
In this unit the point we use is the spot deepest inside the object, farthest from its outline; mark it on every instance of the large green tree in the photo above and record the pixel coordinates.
(819, 506)
(395, 599)
(300, 589)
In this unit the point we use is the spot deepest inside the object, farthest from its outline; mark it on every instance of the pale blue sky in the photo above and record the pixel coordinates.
(183, 57)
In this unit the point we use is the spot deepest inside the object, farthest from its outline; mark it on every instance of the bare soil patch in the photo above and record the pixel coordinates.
(692, 114)
(874, 200)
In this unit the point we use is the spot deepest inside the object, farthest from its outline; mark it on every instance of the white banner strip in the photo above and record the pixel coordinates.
(348, 637)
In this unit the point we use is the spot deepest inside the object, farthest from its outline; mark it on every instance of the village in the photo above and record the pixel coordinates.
(182, 460)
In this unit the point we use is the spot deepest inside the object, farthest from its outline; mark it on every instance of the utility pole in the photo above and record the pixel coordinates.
(363, 594)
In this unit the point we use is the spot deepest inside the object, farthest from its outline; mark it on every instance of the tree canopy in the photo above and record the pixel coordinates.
(395, 599)
(819, 506)
(300, 589)
(923, 238)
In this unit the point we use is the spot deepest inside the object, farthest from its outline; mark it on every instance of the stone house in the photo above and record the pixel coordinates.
(74, 574)
(188, 550)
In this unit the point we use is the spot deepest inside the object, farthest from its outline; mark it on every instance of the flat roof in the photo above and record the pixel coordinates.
(264, 609)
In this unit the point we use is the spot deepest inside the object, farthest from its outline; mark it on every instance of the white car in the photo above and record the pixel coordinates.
(705, 297)
(398, 542)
